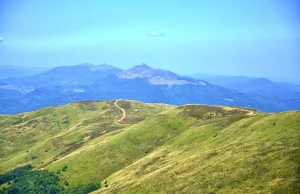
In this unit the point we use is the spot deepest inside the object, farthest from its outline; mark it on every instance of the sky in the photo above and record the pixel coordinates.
(223, 37)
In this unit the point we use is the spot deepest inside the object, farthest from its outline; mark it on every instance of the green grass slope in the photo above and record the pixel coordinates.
(46, 135)
(158, 148)
(253, 155)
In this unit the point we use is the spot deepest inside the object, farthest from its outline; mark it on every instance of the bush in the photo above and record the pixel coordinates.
(64, 168)
(82, 189)
(33, 157)
(66, 183)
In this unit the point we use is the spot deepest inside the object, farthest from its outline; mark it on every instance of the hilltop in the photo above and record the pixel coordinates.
(133, 147)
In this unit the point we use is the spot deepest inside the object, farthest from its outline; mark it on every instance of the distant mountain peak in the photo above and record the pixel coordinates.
(155, 76)
(85, 65)
(142, 66)
(104, 67)
(144, 71)
(261, 79)
(262, 82)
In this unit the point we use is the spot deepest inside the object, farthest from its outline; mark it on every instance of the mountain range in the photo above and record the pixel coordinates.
(84, 82)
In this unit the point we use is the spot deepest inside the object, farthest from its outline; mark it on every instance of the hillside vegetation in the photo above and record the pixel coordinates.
(46, 135)
(157, 148)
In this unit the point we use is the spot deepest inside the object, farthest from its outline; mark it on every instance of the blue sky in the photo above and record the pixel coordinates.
(225, 37)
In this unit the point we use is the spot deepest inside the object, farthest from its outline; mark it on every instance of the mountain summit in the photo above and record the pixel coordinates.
(154, 76)
(145, 71)
(142, 67)
(105, 67)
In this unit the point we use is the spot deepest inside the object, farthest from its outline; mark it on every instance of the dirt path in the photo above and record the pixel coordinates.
(124, 113)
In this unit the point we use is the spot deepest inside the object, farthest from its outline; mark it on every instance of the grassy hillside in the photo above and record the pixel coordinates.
(46, 135)
(249, 156)
(158, 148)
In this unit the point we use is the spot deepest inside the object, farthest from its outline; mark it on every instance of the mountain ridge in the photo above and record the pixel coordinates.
(156, 147)
(84, 82)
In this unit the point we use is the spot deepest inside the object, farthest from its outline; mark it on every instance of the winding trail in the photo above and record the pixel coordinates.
(124, 113)
(81, 149)
(96, 144)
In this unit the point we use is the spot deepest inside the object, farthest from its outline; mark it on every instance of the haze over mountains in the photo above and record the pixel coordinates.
(7, 71)
(66, 84)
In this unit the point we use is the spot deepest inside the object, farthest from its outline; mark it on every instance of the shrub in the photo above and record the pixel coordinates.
(82, 189)
(64, 168)
(66, 183)
(33, 157)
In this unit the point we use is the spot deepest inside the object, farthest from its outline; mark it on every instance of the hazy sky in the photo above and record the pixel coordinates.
(229, 37)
